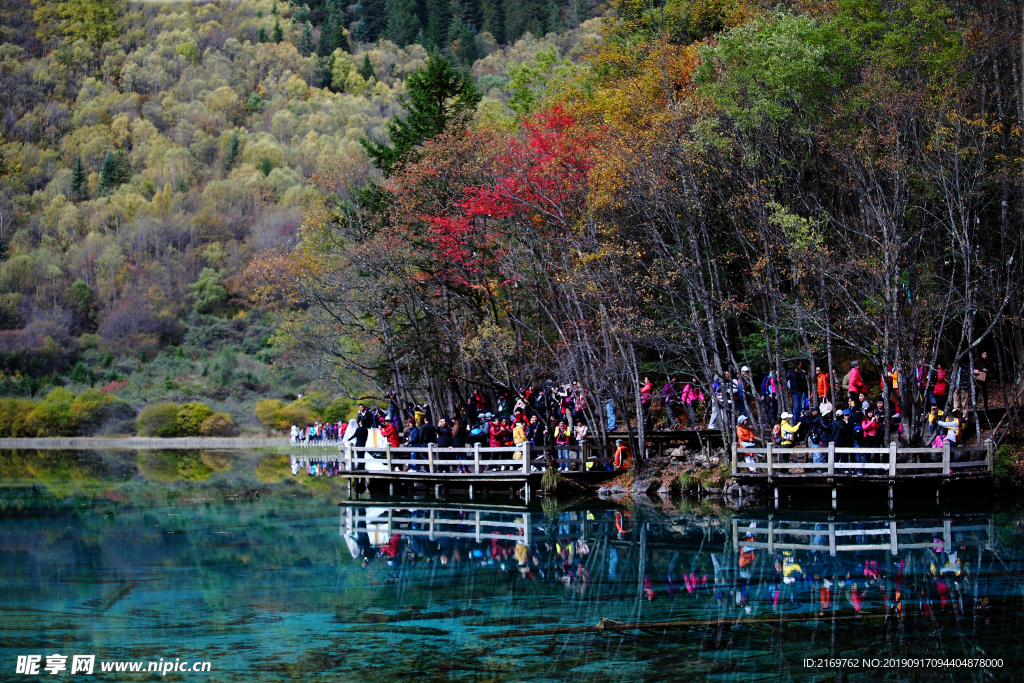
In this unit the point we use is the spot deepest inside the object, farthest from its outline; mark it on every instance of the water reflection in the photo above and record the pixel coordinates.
(800, 565)
(235, 561)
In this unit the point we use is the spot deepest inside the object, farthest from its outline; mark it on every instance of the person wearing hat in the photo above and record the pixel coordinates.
(745, 437)
(837, 429)
(856, 382)
(743, 382)
(788, 430)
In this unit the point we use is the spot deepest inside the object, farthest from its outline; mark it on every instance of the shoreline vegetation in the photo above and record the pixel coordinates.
(224, 218)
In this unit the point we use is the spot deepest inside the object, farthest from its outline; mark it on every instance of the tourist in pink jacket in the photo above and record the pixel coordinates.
(692, 394)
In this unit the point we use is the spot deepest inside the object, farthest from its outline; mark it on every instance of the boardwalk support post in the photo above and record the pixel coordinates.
(388, 451)
(988, 455)
(770, 468)
(734, 457)
(892, 460)
(831, 458)
(430, 458)
(476, 458)
(945, 458)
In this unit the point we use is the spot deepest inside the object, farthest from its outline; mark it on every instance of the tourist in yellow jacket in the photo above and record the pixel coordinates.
(788, 430)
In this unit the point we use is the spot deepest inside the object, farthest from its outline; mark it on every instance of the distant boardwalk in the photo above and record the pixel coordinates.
(133, 443)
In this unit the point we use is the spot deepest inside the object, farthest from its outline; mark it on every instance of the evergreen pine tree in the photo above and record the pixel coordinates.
(457, 12)
(465, 46)
(261, 35)
(273, 7)
(460, 35)
(491, 19)
(554, 17)
(306, 41)
(341, 38)
(403, 21)
(115, 171)
(327, 34)
(232, 155)
(435, 34)
(79, 181)
(366, 70)
(372, 16)
(278, 34)
(439, 95)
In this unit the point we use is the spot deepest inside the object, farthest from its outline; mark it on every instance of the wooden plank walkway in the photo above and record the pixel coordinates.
(776, 467)
(473, 465)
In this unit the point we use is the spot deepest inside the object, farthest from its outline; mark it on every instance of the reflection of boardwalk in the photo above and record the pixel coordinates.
(478, 524)
(835, 537)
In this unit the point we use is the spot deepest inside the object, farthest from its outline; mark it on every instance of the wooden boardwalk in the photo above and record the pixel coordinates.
(892, 466)
(476, 466)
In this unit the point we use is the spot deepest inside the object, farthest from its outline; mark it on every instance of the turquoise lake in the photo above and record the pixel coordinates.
(229, 558)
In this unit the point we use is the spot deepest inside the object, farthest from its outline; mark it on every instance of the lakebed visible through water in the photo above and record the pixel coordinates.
(227, 558)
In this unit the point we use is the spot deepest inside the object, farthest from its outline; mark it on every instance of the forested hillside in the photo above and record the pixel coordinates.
(149, 151)
(721, 190)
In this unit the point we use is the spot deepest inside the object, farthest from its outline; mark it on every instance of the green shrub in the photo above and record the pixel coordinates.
(339, 411)
(273, 414)
(92, 409)
(218, 424)
(14, 414)
(191, 417)
(1007, 467)
(158, 419)
(267, 410)
(295, 414)
(52, 416)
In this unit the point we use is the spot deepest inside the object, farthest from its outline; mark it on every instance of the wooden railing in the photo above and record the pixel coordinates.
(475, 460)
(434, 460)
(782, 535)
(777, 460)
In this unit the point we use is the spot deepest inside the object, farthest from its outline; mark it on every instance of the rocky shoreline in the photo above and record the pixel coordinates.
(676, 471)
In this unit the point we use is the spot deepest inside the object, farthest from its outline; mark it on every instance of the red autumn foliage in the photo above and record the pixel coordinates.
(539, 180)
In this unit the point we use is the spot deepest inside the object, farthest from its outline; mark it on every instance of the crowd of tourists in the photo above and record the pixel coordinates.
(855, 420)
(559, 417)
(549, 417)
